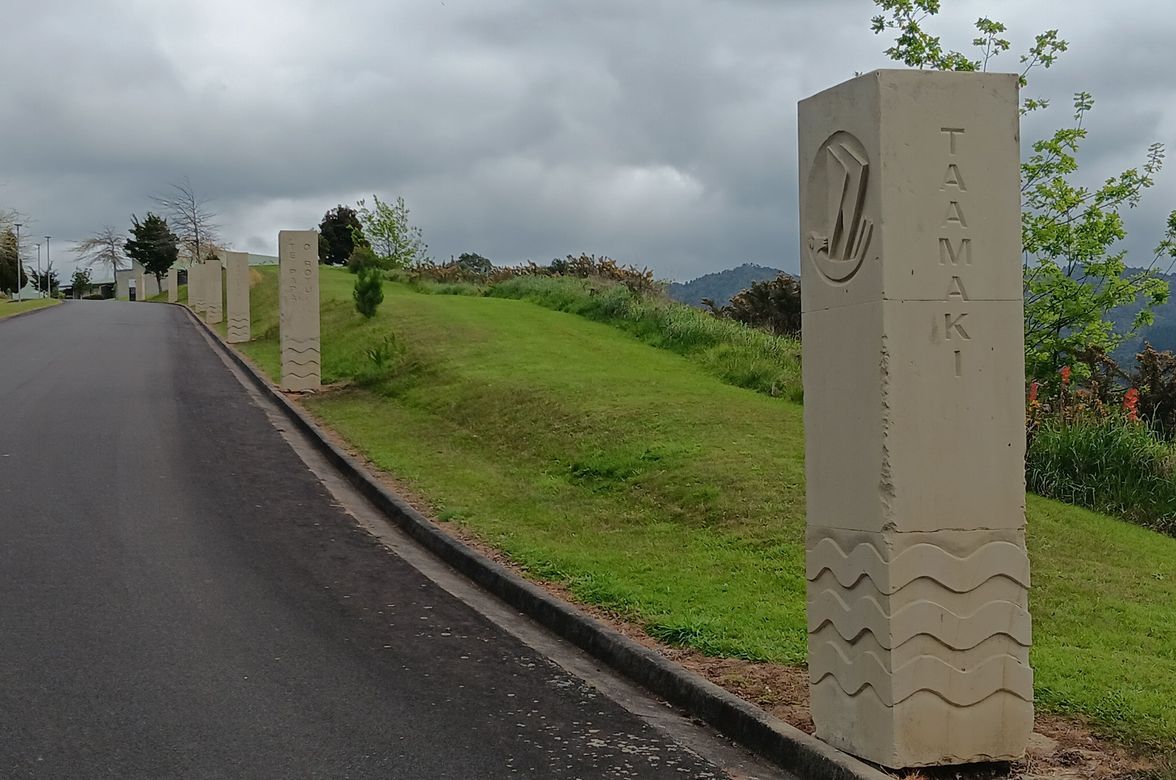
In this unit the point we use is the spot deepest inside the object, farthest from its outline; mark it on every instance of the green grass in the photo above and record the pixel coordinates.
(648, 486)
(9, 308)
(740, 356)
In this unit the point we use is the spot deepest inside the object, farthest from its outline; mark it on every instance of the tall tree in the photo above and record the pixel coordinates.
(396, 241)
(80, 283)
(153, 245)
(12, 278)
(190, 216)
(1074, 274)
(104, 249)
(338, 233)
(45, 281)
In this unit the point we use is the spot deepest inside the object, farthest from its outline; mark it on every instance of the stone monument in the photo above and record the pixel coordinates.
(140, 281)
(122, 283)
(213, 291)
(237, 296)
(197, 295)
(918, 579)
(298, 308)
(173, 284)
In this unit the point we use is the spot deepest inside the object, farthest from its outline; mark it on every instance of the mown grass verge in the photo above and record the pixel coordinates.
(740, 356)
(648, 487)
(9, 308)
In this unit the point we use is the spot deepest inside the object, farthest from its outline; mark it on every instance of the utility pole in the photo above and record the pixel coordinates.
(18, 224)
(48, 267)
(38, 258)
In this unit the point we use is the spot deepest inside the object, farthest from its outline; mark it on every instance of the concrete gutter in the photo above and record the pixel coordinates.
(740, 720)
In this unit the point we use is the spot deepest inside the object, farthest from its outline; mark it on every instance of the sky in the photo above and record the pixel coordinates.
(661, 133)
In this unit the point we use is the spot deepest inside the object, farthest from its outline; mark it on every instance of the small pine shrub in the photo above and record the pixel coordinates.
(369, 291)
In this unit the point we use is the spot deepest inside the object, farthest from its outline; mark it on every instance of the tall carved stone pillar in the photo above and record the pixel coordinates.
(173, 284)
(298, 309)
(213, 291)
(197, 289)
(237, 296)
(919, 629)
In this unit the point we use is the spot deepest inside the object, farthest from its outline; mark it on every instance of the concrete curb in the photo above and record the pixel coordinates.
(743, 722)
(20, 314)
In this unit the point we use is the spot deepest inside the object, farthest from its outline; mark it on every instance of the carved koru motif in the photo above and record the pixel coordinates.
(839, 177)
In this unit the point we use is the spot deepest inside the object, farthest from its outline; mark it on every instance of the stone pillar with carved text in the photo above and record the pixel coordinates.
(298, 309)
(213, 291)
(918, 578)
(237, 296)
(197, 295)
(173, 284)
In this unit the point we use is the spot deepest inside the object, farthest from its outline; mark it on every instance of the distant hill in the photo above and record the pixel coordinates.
(721, 286)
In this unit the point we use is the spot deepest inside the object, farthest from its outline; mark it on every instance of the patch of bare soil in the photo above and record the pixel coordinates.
(1061, 748)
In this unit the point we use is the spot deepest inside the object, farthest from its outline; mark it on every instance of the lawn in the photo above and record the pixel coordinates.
(9, 308)
(650, 487)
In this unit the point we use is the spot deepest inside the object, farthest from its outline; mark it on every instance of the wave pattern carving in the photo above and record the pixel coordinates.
(908, 621)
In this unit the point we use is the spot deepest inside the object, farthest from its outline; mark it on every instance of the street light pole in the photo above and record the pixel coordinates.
(18, 224)
(38, 259)
(48, 267)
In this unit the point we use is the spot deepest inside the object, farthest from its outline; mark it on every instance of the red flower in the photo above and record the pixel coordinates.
(1033, 392)
(1130, 402)
(1065, 375)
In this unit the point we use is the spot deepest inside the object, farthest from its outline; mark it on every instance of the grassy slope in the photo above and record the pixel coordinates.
(650, 487)
(9, 308)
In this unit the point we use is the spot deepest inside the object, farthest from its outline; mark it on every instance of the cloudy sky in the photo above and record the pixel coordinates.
(659, 132)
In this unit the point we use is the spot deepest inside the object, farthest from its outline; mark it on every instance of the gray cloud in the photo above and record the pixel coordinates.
(661, 133)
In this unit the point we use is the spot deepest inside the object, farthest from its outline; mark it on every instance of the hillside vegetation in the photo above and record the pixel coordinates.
(648, 486)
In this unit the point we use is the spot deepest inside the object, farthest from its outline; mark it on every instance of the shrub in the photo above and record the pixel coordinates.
(362, 257)
(773, 305)
(369, 291)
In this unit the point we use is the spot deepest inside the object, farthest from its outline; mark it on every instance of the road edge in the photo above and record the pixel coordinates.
(743, 722)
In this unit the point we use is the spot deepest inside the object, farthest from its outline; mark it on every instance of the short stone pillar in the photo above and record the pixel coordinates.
(213, 291)
(918, 578)
(173, 284)
(197, 289)
(237, 296)
(140, 282)
(298, 309)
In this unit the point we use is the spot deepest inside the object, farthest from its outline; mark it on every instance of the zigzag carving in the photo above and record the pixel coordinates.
(928, 699)
(923, 644)
(995, 588)
(958, 686)
(960, 632)
(311, 361)
(288, 374)
(954, 573)
(306, 354)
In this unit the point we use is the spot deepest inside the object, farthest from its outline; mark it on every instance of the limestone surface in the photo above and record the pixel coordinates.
(213, 292)
(237, 296)
(298, 306)
(173, 284)
(919, 629)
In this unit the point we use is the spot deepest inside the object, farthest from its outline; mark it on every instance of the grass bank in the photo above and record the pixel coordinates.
(740, 356)
(646, 485)
(9, 308)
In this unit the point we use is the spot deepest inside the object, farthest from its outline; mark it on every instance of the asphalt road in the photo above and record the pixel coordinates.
(181, 597)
